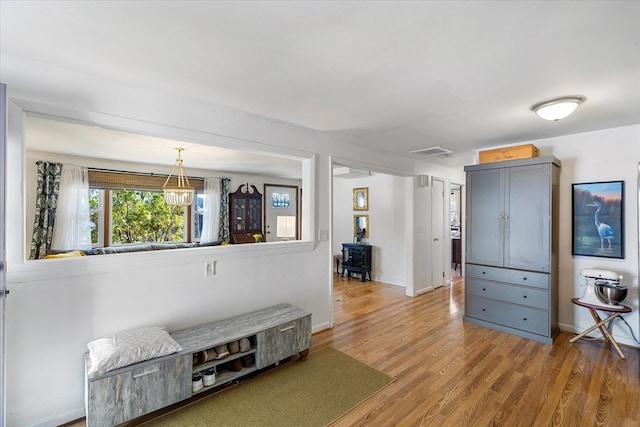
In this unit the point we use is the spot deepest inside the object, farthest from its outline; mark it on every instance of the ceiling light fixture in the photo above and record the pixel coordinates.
(557, 108)
(181, 194)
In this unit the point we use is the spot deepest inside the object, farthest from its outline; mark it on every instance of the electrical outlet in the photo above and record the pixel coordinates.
(210, 268)
(323, 235)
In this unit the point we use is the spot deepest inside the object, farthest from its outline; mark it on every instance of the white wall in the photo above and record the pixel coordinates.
(387, 204)
(57, 306)
(606, 155)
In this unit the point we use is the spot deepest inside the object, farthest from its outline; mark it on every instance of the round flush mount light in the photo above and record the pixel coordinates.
(557, 108)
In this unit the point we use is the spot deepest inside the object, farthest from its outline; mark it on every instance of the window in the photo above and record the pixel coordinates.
(96, 214)
(123, 215)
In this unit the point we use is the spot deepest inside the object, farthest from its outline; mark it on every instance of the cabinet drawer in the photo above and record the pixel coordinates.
(137, 390)
(531, 297)
(518, 277)
(507, 314)
(282, 341)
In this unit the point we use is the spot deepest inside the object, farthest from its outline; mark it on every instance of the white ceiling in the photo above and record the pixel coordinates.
(399, 76)
(77, 139)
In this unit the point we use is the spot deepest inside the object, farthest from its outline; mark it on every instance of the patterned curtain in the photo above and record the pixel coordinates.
(48, 181)
(223, 233)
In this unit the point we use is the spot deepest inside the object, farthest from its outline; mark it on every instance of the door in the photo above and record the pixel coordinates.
(281, 212)
(3, 257)
(528, 218)
(485, 213)
(437, 233)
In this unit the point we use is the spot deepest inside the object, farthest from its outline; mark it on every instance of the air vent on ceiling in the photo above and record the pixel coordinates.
(431, 151)
(345, 172)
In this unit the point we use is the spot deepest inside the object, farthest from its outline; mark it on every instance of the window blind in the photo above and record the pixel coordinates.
(114, 180)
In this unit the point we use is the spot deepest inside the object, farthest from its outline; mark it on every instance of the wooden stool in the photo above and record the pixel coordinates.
(600, 323)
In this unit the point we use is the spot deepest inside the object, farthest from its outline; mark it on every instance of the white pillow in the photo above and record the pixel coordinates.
(124, 348)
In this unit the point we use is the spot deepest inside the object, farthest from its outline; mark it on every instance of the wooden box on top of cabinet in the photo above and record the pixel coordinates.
(526, 151)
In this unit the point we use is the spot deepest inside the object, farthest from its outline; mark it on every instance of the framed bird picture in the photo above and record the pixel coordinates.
(598, 219)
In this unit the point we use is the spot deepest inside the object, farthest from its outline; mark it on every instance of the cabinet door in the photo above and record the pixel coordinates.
(282, 341)
(528, 218)
(485, 213)
(133, 392)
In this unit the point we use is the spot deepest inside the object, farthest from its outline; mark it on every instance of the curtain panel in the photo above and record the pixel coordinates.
(48, 188)
(211, 211)
(73, 222)
(223, 234)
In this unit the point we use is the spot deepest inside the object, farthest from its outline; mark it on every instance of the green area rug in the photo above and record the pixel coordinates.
(298, 393)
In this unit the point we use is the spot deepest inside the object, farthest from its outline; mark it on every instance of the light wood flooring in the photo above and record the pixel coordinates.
(451, 373)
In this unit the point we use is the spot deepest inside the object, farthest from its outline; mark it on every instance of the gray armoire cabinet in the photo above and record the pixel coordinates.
(511, 247)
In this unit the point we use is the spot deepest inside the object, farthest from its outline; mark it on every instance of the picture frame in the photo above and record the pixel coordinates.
(597, 212)
(361, 199)
(361, 225)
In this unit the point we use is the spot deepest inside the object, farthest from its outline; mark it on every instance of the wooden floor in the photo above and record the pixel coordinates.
(450, 373)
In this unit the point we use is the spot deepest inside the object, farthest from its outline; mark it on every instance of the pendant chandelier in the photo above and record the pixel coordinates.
(182, 193)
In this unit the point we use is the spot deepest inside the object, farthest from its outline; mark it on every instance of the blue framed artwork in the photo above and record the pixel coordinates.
(280, 200)
(598, 219)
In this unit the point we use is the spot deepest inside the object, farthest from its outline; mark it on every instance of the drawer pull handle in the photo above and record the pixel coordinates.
(484, 309)
(525, 319)
(524, 278)
(484, 272)
(145, 373)
(524, 296)
(287, 328)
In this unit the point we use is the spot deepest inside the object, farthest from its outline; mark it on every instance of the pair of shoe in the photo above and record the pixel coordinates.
(196, 382)
(216, 353)
(209, 377)
(242, 345)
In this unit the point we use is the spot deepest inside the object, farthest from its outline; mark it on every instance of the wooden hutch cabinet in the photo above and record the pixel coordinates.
(245, 214)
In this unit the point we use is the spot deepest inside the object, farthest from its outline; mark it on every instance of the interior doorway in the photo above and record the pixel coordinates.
(455, 209)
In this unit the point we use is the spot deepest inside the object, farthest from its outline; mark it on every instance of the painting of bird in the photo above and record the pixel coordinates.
(604, 230)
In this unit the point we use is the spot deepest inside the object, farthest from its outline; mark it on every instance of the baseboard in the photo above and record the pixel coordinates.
(63, 419)
(320, 327)
(424, 291)
(626, 341)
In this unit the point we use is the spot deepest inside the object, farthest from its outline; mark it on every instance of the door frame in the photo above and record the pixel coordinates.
(461, 212)
(3, 257)
(438, 232)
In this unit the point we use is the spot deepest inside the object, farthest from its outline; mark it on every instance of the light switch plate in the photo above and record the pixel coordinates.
(210, 268)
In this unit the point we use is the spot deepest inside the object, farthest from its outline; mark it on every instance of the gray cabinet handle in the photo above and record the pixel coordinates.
(145, 373)
(287, 328)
